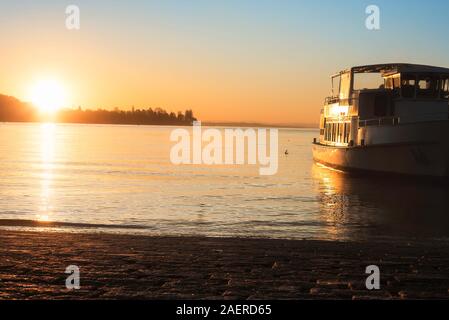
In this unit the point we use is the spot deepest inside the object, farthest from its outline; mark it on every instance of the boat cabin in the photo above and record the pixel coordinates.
(382, 95)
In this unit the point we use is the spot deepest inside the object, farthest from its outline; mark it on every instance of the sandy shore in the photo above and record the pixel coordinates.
(32, 266)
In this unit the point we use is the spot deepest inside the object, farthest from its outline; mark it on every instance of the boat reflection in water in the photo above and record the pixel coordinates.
(364, 208)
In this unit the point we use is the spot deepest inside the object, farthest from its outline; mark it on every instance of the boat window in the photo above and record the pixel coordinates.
(397, 83)
(368, 81)
(396, 86)
(347, 127)
(342, 132)
(393, 84)
(444, 88)
(427, 87)
(335, 132)
(345, 85)
(338, 132)
(337, 137)
(408, 82)
(335, 85)
(345, 136)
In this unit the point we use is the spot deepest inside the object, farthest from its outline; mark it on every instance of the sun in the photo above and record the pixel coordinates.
(48, 95)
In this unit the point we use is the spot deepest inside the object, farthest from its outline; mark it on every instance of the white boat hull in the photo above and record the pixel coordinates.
(427, 154)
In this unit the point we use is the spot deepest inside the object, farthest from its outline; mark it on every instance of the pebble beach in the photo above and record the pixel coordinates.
(32, 266)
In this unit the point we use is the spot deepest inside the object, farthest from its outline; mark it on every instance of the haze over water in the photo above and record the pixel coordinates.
(115, 178)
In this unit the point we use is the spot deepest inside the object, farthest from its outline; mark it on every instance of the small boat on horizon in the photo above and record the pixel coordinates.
(387, 118)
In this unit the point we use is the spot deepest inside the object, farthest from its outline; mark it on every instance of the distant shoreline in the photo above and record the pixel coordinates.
(99, 123)
(206, 124)
(14, 110)
(260, 125)
(144, 267)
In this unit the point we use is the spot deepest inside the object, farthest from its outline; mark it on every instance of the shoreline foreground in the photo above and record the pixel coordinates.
(32, 266)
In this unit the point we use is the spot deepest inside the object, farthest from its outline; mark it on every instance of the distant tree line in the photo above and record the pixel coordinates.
(134, 116)
(13, 110)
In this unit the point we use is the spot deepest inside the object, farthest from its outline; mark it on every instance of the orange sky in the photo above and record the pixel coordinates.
(228, 61)
(239, 78)
(97, 76)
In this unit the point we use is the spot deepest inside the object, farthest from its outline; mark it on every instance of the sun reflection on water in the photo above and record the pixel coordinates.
(47, 143)
(43, 218)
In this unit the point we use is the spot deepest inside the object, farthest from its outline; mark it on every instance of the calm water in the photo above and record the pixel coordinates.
(120, 179)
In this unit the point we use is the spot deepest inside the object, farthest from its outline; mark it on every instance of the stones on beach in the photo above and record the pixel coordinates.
(334, 284)
(227, 293)
(314, 291)
(232, 295)
(172, 268)
(287, 288)
(371, 297)
(170, 284)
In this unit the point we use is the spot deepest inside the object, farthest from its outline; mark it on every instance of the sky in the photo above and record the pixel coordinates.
(239, 61)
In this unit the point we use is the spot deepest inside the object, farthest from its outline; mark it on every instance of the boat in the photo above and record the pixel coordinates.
(387, 118)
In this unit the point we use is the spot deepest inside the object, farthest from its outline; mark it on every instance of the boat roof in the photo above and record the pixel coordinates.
(391, 68)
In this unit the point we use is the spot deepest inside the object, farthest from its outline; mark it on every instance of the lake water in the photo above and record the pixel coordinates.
(120, 179)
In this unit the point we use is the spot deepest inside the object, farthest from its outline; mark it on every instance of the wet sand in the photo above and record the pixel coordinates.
(32, 266)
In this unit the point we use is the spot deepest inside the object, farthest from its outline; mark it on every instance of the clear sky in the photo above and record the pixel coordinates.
(252, 61)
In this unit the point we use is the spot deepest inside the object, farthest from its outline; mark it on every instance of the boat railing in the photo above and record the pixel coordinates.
(383, 121)
(331, 100)
(392, 121)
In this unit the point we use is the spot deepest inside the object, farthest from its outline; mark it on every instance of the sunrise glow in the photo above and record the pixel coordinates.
(48, 95)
